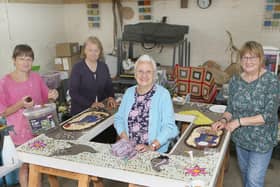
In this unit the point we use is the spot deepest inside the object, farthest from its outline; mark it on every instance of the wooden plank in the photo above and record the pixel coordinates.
(61, 173)
(53, 181)
(74, 1)
(37, 1)
(83, 180)
(132, 185)
(54, 1)
(224, 168)
(34, 176)
(85, 1)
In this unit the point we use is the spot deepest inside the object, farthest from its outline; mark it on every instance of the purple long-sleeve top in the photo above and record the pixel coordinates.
(85, 85)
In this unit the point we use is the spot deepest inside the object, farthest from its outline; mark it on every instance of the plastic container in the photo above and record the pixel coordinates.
(41, 117)
(52, 79)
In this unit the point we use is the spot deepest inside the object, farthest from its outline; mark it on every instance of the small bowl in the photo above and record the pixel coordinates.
(179, 100)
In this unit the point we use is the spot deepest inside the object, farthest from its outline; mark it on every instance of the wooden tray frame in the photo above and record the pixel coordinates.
(202, 147)
(86, 111)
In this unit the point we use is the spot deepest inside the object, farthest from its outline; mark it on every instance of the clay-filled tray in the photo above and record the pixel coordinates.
(202, 136)
(85, 120)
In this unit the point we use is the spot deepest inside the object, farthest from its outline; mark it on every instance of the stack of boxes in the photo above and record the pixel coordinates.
(67, 54)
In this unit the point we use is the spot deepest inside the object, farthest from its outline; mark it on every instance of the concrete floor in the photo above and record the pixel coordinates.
(232, 176)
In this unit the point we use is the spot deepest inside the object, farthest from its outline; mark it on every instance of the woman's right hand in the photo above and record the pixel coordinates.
(27, 102)
(52, 94)
(218, 125)
(111, 102)
(97, 105)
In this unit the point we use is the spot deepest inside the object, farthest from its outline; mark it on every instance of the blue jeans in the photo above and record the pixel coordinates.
(253, 166)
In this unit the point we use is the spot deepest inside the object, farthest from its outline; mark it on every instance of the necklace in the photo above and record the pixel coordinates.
(91, 65)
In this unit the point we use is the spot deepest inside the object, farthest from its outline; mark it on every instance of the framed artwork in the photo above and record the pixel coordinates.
(145, 10)
(93, 13)
(271, 20)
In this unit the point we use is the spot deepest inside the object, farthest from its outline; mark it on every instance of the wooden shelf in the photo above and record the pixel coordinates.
(54, 1)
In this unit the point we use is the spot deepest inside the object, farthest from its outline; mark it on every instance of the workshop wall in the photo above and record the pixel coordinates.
(43, 25)
(39, 25)
(207, 26)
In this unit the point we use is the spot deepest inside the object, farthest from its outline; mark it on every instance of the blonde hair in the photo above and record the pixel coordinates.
(97, 42)
(253, 47)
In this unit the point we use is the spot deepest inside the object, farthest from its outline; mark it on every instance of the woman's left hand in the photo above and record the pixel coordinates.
(111, 103)
(142, 148)
(231, 126)
(53, 94)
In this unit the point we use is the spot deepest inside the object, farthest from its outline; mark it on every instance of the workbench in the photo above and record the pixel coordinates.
(72, 155)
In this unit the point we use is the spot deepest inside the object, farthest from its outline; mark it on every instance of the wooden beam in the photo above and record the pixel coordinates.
(54, 1)
(81, 1)
(74, 1)
(37, 1)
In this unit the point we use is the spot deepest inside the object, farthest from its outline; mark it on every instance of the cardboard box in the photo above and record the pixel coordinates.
(66, 63)
(67, 49)
(82, 52)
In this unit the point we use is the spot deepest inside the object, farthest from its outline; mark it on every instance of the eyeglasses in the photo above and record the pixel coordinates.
(250, 58)
(140, 72)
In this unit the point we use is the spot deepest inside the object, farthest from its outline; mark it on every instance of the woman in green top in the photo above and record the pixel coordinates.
(251, 114)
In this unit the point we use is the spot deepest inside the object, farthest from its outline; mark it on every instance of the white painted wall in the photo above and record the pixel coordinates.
(207, 27)
(40, 26)
(76, 25)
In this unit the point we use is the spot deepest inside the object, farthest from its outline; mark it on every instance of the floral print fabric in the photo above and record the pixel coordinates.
(260, 97)
(138, 118)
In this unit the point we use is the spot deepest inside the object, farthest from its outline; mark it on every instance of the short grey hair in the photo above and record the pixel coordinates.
(145, 58)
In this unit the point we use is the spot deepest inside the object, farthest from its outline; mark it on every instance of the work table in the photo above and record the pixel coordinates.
(77, 154)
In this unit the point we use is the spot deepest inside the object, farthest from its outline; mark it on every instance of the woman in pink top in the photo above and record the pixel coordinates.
(22, 89)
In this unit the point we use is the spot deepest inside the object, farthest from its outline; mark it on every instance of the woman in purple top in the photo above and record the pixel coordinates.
(22, 89)
(90, 81)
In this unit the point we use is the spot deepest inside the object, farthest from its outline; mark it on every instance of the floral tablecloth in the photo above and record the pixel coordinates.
(97, 154)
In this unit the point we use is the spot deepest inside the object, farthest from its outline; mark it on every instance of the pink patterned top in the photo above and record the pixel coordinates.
(11, 92)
